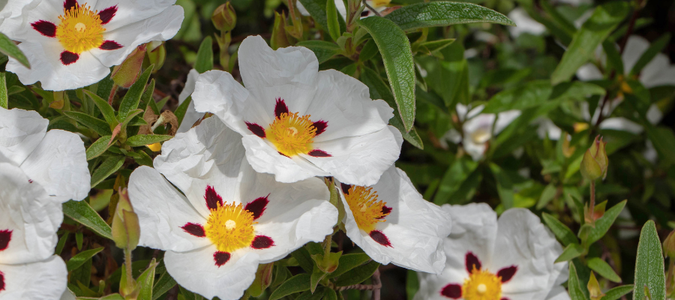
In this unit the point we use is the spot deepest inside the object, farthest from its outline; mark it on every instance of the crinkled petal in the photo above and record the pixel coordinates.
(474, 229)
(10, 15)
(130, 11)
(191, 115)
(218, 93)
(41, 280)
(20, 133)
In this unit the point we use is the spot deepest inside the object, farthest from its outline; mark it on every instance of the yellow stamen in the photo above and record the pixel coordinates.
(230, 227)
(80, 29)
(365, 207)
(292, 134)
(482, 285)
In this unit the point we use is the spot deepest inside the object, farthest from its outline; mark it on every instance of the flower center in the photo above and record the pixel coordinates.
(366, 208)
(482, 285)
(80, 29)
(480, 135)
(292, 134)
(230, 227)
(380, 3)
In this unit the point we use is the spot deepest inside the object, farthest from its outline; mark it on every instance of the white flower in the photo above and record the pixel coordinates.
(478, 129)
(512, 258)
(10, 12)
(524, 23)
(298, 122)
(228, 218)
(191, 115)
(72, 45)
(392, 223)
(55, 159)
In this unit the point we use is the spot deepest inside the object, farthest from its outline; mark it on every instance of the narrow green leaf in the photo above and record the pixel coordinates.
(368, 51)
(504, 185)
(298, 283)
(147, 282)
(348, 262)
(454, 177)
(653, 50)
(98, 125)
(316, 276)
(164, 284)
(604, 20)
(614, 61)
(444, 13)
(332, 19)
(546, 196)
(649, 269)
(603, 268)
(7, 47)
(317, 9)
(105, 108)
(204, 60)
(562, 232)
(617, 292)
(358, 274)
(109, 166)
(571, 251)
(329, 294)
(539, 92)
(398, 63)
(573, 285)
(98, 147)
(146, 139)
(322, 49)
(182, 109)
(81, 212)
(133, 96)
(304, 259)
(80, 258)
(603, 224)
(4, 95)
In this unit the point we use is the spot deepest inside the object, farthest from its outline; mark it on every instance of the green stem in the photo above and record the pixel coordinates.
(592, 206)
(326, 249)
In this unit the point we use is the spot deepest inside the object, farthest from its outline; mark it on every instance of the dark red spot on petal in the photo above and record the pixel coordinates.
(504, 298)
(194, 229)
(213, 200)
(68, 57)
(320, 126)
(45, 28)
(283, 154)
(221, 258)
(507, 273)
(472, 262)
(262, 242)
(345, 188)
(452, 291)
(256, 129)
(5, 237)
(257, 206)
(365, 13)
(110, 45)
(30, 180)
(68, 4)
(379, 237)
(2, 282)
(107, 14)
(386, 210)
(280, 107)
(318, 153)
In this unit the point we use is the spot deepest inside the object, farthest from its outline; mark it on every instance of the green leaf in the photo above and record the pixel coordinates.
(663, 140)
(539, 92)
(573, 285)
(442, 13)
(653, 50)
(322, 49)
(147, 281)
(562, 232)
(81, 212)
(204, 60)
(603, 224)
(182, 109)
(146, 139)
(368, 51)
(604, 20)
(504, 185)
(603, 268)
(316, 276)
(105, 108)
(348, 262)
(571, 251)
(304, 259)
(358, 274)
(412, 284)
(164, 284)
(98, 147)
(4, 103)
(454, 177)
(546, 196)
(398, 63)
(7, 47)
(614, 61)
(617, 292)
(98, 125)
(450, 77)
(317, 9)
(649, 269)
(109, 166)
(329, 294)
(332, 19)
(133, 96)
(80, 258)
(298, 283)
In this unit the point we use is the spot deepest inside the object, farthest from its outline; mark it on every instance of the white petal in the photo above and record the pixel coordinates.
(10, 15)
(59, 164)
(217, 92)
(431, 285)
(654, 114)
(42, 280)
(20, 132)
(197, 272)
(162, 212)
(635, 47)
(474, 229)
(665, 76)
(589, 72)
(475, 150)
(265, 159)
(68, 295)
(524, 23)
(653, 70)
(131, 11)
(504, 119)
(621, 124)
(191, 115)
(547, 128)
(32, 217)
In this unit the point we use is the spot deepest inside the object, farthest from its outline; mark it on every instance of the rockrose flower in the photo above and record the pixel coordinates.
(298, 122)
(512, 258)
(392, 223)
(228, 218)
(73, 44)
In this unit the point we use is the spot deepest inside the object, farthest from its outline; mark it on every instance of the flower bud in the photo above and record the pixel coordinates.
(669, 245)
(156, 55)
(224, 18)
(594, 288)
(279, 38)
(595, 162)
(127, 73)
(126, 230)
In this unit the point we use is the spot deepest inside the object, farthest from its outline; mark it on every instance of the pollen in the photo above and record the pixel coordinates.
(292, 134)
(482, 285)
(81, 29)
(367, 209)
(230, 227)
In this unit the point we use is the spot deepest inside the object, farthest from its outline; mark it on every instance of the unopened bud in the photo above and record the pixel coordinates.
(669, 245)
(156, 55)
(279, 38)
(595, 162)
(127, 73)
(224, 18)
(126, 230)
(594, 289)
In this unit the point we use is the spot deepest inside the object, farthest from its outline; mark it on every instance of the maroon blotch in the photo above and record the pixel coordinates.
(68, 4)
(320, 127)
(280, 107)
(30, 180)
(68, 57)
(504, 298)
(213, 200)
(507, 273)
(379, 237)
(221, 258)
(2, 282)
(45, 28)
(262, 242)
(283, 154)
(256, 129)
(257, 206)
(107, 14)
(345, 188)
(194, 229)
(386, 210)
(452, 291)
(110, 45)
(318, 153)
(365, 13)
(472, 261)
(5, 237)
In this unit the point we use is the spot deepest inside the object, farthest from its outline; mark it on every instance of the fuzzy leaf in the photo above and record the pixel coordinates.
(649, 269)
(146, 139)
(98, 125)
(107, 168)
(298, 283)
(358, 274)
(7, 47)
(444, 13)
(205, 56)
(80, 258)
(562, 232)
(81, 212)
(98, 147)
(603, 268)
(133, 96)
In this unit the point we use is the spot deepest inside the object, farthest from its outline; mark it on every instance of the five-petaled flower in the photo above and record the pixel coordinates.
(230, 218)
(72, 44)
(509, 259)
(298, 122)
(391, 222)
